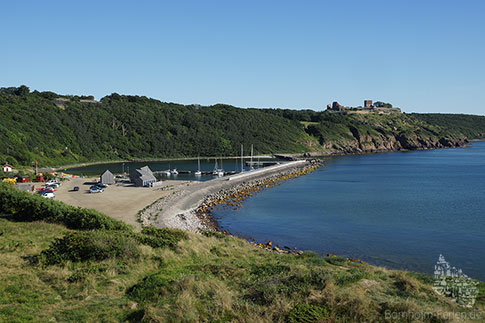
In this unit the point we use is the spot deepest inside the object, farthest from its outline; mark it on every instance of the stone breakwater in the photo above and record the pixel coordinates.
(234, 196)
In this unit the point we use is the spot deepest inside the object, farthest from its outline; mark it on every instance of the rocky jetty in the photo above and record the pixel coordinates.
(234, 196)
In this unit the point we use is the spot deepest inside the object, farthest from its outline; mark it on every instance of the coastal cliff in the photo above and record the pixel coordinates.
(381, 143)
(339, 134)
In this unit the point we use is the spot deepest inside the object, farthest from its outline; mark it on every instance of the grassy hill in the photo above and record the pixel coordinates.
(55, 267)
(471, 126)
(126, 127)
(33, 128)
(357, 133)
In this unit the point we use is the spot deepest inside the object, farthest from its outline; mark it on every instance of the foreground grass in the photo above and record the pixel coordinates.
(201, 279)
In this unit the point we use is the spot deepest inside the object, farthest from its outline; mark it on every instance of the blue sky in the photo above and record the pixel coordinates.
(424, 56)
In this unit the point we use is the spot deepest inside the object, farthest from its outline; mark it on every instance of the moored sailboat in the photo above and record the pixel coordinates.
(198, 172)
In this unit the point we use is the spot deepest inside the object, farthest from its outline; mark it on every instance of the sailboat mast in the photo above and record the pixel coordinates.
(242, 158)
(251, 156)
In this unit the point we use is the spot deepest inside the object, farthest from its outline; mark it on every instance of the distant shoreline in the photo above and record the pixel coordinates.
(293, 155)
(142, 160)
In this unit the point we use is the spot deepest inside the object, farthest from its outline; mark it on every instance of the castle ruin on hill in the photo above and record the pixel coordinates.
(369, 107)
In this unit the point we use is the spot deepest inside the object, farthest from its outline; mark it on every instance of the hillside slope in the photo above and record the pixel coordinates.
(339, 133)
(126, 127)
(59, 264)
(470, 125)
(33, 128)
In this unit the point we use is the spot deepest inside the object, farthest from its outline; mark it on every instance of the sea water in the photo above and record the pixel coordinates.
(399, 210)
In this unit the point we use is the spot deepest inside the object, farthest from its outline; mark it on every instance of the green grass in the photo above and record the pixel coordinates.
(201, 278)
(307, 123)
(109, 272)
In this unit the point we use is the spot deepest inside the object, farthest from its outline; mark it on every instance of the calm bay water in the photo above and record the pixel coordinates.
(206, 164)
(398, 210)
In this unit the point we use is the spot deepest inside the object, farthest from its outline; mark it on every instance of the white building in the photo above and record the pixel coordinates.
(7, 168)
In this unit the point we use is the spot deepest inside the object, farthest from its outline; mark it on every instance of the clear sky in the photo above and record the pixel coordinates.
(423, 56)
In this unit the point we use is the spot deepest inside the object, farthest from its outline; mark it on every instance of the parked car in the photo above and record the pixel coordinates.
(102, 185)
(48, 195)
(95, 189)
(76, 188)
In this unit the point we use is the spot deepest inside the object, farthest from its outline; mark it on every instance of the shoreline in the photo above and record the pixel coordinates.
(199, 200)
(312, 154)
(143, 160)
(179, 210)
(234, 196)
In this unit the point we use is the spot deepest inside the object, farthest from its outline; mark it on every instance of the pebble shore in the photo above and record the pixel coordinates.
(234, 196)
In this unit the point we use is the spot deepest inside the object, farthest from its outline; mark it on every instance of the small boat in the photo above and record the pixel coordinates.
(166, 172)
(198, 172)
(220, 171)
(216, 170)
(174, 171)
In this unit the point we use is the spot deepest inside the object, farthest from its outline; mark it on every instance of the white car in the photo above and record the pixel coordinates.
(48, 195)
(95, 189)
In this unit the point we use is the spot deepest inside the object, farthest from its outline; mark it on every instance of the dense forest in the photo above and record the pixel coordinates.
(34, 126)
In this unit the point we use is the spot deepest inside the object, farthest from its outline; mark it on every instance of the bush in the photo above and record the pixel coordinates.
(90, 245)
(22, 206)
(215, 234)
(154, 286)
(272, 282)
(307, 313)
(350, 277)
(159, 238)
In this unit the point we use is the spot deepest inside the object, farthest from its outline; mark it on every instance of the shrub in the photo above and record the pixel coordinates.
(307, 313)
(350, 277)
(154, 286)
(22, 206)
(271, 282)
(215, 234)
(90, 245)
(158, 238)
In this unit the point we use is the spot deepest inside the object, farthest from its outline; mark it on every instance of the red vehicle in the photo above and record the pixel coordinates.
(23, 179)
